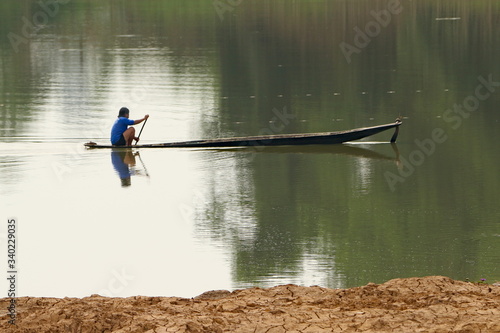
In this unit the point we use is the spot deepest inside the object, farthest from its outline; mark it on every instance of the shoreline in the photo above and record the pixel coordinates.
(426, 304)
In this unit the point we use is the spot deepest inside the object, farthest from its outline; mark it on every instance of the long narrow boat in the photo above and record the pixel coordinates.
(273, 140)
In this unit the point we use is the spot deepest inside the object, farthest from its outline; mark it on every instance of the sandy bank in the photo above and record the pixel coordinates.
(429, 304)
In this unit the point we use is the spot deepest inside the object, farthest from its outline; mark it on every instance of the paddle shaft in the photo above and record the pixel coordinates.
(141, 130)
(144, 166)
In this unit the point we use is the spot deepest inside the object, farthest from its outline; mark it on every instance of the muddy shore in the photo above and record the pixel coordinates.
(428, 304)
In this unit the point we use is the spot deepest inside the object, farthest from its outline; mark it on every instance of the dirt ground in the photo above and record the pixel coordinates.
(428, 304)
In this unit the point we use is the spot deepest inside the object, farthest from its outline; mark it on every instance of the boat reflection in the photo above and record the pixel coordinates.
(358, 149)
(124, 162)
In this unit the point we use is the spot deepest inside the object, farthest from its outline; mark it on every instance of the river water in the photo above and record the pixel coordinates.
(178, 222)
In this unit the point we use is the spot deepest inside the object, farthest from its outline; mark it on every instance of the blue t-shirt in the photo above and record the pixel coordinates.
(121, 168)
(121, 124)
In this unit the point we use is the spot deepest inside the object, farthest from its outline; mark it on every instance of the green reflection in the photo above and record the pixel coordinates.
(440, 220)
(261, 57)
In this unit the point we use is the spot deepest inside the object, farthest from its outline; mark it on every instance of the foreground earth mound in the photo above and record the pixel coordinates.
(429, 304)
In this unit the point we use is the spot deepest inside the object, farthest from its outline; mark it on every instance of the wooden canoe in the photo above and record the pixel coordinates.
(272, 140)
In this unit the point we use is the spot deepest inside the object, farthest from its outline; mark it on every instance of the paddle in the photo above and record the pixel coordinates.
(141, 130)
(143, 166)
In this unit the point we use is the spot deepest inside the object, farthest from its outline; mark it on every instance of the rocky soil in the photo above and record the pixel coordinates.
(429, 304)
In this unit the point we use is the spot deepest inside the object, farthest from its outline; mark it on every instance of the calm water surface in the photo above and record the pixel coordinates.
(189, 220)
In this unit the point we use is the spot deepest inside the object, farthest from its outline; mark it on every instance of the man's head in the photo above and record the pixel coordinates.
(126, 182)
(124, 112)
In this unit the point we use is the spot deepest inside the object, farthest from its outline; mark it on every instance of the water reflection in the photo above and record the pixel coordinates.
(350, 149)
(278, 212)
(124, 162)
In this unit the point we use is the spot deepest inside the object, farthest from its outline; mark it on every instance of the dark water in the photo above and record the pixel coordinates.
(194, 220)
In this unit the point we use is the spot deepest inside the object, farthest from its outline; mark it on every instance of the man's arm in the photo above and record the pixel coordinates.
(138, 121)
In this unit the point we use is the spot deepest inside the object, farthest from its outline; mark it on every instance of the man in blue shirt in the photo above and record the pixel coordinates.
(121, 133)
